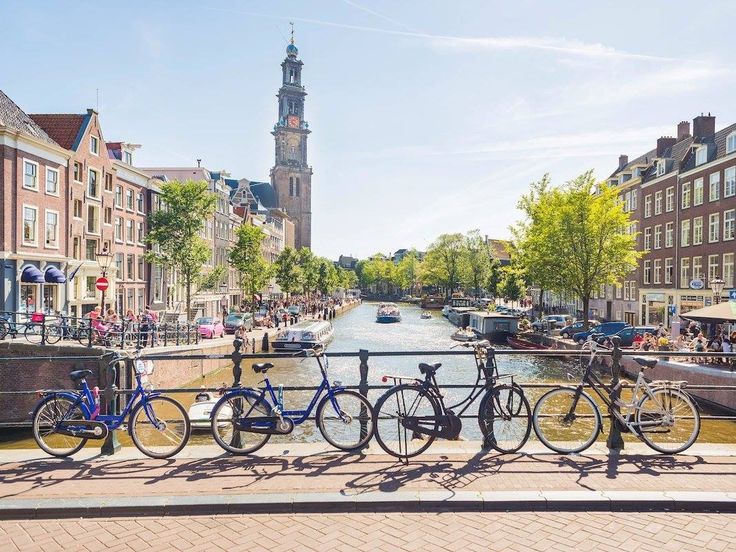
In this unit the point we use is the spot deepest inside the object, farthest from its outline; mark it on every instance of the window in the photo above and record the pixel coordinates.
(139, 202)
(30, 221)
(713, 227)
(661, 165)
(627, 202)
(697, 267)
(127, 158)
(669, 234)
(714, 187)
(129, 237)
(668, 270)
(685, 272)
(634, 199)
(617, 289)
(77, 171)
(94, 145)
(130, 266)
(657, 271)
(89, 287)
(647, 239)
(108, 182)
(728, 269)
(93, 189)
(697, 230)
(626, 291)
(685, 233)
(669, 202)
(78, 208)
(712, 267)
(648, 206)
(658, 203)
(291, 186)
(729, 224)
(701, 155)
(647, 271)
(52, 229)
(91, 250)
(77, 248)
(686, 195)
(119, 266)
(30, 175)
(141, 268)
(52, 181)
(633, 290)
(118, 229)
(698, 191)
(729, 184)
(658, 237)
(108, 215)
(93, 219)
(129, 200)
(731, 143)
(141, 233)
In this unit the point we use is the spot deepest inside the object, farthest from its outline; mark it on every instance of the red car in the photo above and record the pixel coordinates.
(210, 327)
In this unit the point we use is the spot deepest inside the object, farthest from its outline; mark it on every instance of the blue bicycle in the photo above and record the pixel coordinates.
(63, 421)
(244, 419)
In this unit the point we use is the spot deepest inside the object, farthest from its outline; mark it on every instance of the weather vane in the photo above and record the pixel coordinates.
(292, 31)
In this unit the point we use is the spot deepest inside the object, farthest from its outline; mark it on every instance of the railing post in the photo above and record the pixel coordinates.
(237, 373)
(43, 330)
(111, 444)
(189, 335)
(89, 334)
(615, 442)
(177, 332)
(363, 390)
(166, 333)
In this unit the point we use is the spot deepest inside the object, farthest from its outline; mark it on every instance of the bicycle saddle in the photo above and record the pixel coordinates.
(645, 362)
(429, 368)
(77, 375)
(262, 367)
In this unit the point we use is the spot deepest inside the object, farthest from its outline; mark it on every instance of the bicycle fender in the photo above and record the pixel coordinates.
(235, 394)
(65, 395)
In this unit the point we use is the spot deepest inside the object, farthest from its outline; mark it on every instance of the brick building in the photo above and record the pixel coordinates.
(682, 196)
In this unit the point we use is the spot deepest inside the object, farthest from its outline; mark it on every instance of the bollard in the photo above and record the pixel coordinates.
(264, 342)
(615, 442)
(363, 390)
(111, 444)
(237, 373)
(89, 334)
(166, 333)
(253, 345)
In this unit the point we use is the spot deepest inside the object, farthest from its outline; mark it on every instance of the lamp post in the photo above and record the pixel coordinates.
(717, 285)
(104, 260)
(270, 292)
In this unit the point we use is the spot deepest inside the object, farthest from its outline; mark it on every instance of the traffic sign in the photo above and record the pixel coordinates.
(732, 294)
(102, 284)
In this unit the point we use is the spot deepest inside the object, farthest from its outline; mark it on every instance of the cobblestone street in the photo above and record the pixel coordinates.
(471, 532)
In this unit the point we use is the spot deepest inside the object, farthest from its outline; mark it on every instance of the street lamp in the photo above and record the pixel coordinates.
(717, 285)
(270, 291)
(104, 260)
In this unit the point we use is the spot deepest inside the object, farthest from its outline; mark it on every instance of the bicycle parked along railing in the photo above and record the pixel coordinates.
(63, 421)
(412, 414)
(660, 413)
(244, 419)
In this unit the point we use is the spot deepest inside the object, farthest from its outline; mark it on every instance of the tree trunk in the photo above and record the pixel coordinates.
(586, 302)
(541, 303)
(189, 296)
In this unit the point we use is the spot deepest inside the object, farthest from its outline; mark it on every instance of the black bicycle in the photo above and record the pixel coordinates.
(412, 413)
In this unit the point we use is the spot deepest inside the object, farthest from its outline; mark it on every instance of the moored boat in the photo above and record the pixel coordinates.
(464, 334)
(304, 335)
(494, 326)
(425, 315)
(388, 313)
(201, 410)
(516, 342)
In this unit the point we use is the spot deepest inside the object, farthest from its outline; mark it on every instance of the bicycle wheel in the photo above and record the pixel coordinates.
(159, 427)
(232, 410)
(562, 428)
(32, 333)
(4, 329)
(504, 417)
(668, 421)
(399, 407)
(54, 334)
(349, 428)
(48, 413)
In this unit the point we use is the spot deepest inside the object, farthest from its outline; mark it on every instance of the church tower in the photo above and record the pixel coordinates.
(291, 176)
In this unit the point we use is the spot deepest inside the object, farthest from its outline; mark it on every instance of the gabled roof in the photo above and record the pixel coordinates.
(716, 145)
(500, 249)
(264, 193)
(14, 117)
(66, 129)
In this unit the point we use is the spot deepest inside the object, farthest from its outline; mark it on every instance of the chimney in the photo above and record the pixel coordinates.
(683, 130)
(199, 162)
(704, 125)
(664, 143)
(623, 160)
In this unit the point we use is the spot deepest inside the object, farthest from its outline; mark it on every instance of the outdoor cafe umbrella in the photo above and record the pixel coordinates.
(715, 314)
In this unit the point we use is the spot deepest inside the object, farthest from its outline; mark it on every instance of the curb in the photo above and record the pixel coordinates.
(399, 502)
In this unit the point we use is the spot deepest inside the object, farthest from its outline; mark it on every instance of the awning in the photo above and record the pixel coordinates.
(31, 275)
(54, 276)
(715, 314)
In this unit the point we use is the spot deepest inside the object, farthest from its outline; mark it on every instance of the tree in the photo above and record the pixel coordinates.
(445, 264)
(288, 273)
(247, 257)
(478, 258)
(309, 268)
(512, 284)
(407, 272)
(348, 278)
(579, 234)
(174, 231)
(328, 280)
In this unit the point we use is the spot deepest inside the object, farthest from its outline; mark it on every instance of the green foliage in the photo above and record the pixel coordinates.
(445, 264)
(211, 280)
(512, 286)
(478, 260)
(302, 271)
(247, 257)
(287, 270)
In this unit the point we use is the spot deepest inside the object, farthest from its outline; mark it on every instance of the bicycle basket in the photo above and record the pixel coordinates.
(37, 317)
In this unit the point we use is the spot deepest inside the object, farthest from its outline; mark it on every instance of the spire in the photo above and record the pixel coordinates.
(291, 49)
(292, 31)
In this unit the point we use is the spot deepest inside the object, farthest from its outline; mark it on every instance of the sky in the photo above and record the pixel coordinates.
(427, 116)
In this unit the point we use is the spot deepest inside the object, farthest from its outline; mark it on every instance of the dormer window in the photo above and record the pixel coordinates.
(94, 145)
(661, 164)
(624, 177)
(701, 155)
(127, 158)
(731, 143)
(636, 173)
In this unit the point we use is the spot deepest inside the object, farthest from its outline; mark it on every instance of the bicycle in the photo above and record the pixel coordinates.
(63, 421)
(8, 327)
(412, 413)
(567, 419)
(244, 419)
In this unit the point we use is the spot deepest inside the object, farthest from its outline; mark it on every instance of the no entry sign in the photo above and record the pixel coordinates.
(102, 284)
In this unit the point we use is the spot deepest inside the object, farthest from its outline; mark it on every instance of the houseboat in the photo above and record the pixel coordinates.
(494, 326)
(432, 302)
(388, 313)
(458, 311)
(304, 335)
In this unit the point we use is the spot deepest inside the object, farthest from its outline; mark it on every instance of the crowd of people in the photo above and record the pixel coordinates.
(691, 338)
(143, 325)
(279, 313)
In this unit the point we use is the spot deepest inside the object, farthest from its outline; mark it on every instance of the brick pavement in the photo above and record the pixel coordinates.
(396, 532)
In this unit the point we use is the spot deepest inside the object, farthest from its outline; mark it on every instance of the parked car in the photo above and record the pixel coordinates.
(234, 321)
(294, 309)
(210, 327)
(627, 334)
(568, 331)
(554, 321)
(607, 328)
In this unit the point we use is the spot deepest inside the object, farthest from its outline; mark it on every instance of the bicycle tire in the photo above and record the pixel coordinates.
(388, 415)
(4, 329)
(681, 437)
(364, 414)
(51, 410)
(505, 418)
(167, 442)
(54, 334)
(223, 423)
(560, 433)
(33, 331)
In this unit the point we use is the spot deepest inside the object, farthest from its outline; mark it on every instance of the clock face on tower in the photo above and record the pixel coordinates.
(292, 121)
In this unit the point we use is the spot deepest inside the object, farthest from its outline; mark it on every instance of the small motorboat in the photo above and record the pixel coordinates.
(464, 334)
(520, 343)
(388, 313)
(426, 315)
(201, 409)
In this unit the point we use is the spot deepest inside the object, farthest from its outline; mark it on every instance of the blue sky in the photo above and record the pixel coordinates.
(427, 116)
